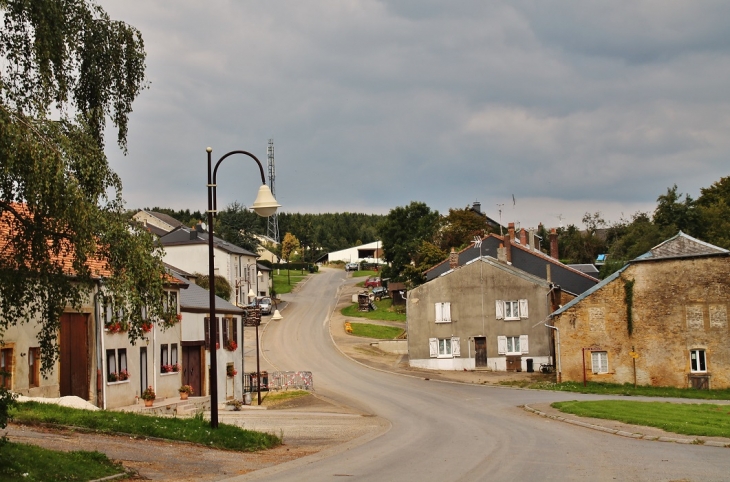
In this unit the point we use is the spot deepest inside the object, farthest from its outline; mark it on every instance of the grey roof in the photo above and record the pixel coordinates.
(197, 298)
(184, 236)
(589, 269)
(505, 267)
(682, 246)
(165, 218)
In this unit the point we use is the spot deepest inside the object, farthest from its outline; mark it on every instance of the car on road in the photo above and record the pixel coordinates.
(265, 305)
(372, 282)
(351, 267)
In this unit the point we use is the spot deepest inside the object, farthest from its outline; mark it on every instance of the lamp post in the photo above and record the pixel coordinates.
(264, 205)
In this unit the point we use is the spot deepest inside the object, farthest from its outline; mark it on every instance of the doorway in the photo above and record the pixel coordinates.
(480, 351)
(192, 373)
(74, 359)
(142, 369)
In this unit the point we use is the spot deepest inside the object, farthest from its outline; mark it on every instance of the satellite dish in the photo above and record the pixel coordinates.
(204, 226)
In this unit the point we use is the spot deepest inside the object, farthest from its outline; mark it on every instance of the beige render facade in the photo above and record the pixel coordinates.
(465, 309)
(678, 334)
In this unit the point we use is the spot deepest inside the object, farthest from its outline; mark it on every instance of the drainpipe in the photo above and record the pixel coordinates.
(557, 344)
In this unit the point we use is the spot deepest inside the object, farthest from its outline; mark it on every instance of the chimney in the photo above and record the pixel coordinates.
(477, 207)
(453, 259)
(548, 273)
(523, 238)
(508, 241)
(193, 234)
(531, 239)
(554, 243)
(502, 253)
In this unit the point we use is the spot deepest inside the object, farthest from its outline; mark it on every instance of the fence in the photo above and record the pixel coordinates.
(278, 381)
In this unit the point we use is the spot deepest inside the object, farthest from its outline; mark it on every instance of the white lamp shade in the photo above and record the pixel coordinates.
(265, 205)
(251, 294)
(276, 316)
(260, 275)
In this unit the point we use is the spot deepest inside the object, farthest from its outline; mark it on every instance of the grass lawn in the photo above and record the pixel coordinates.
(196, 429)
(384, 312)
(31, 463)
(376, 331)
(274, 398)
(363, 273)
(625, 389)
(281, 280)
(689, 419)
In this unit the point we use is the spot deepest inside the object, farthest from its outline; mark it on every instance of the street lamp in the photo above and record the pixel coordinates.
(264, 205)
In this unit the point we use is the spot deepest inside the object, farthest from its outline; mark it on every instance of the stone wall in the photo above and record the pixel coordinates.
(678, 305)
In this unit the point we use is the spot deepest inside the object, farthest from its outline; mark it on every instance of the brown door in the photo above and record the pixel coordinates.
(192, 368)
(480, 351)
(142, 369)
(74, 361)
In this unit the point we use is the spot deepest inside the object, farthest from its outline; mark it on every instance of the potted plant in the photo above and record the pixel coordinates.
(231, 371)
(147, 327)
(232, 345)
(234, 405)
(123, 375)
(148, 396)
(166, 368)
(185, 391)
(112, 377)
(176, 367)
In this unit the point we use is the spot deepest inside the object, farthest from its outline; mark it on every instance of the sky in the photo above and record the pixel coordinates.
(541, 111)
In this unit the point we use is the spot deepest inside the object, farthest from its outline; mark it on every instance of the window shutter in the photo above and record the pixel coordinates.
(447, 311)
(206, 327)
(499, 306)
(439, 312)
(225, 332)
(501, 345)
(433, 347)
(455, 346)
(523, 308)
(235, 331)
(523, 344)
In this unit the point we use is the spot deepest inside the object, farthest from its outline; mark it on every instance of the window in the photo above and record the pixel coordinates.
(116, 365)
(599, 360)
(443, 312)
(511, 309)
(6, 367)
(164, 358)
(173, 354)
(512, 345)
(444, 347)
(698, 363)
(230, 333)
(34, 369)
(206, 330)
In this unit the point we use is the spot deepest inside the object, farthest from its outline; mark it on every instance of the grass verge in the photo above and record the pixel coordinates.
(704, 419)
(284, 283)
(275, 398)
(30, 463)
(195, 430)
(384, 312)
(360, 274)
(623, 389)
(376, 331)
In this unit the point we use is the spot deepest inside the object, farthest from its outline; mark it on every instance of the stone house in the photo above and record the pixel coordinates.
(661, 320)
(486, 314)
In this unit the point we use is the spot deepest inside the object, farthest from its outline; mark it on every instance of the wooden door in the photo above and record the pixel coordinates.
(192, 372)
(74, 360)
(480, 351)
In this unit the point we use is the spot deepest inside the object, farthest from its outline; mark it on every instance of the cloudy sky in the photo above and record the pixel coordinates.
(569, 107)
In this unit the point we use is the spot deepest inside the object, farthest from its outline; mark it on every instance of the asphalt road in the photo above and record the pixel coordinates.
(455, 432)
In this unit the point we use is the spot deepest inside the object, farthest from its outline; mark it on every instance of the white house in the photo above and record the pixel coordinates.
(187, 249)
(370, 252)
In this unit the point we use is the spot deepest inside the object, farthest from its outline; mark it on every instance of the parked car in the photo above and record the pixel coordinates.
(265, 304)
(351, 267)
(372, 282)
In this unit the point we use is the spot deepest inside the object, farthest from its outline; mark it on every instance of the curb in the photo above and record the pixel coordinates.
(621, 433)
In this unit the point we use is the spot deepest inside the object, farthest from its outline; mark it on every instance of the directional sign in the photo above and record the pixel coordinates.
(633, 354)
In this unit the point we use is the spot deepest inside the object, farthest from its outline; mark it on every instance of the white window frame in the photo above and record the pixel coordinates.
(511, 310)
(444, 347)
(599, 362)
(505, 342)
(443, 312)
(698, 360)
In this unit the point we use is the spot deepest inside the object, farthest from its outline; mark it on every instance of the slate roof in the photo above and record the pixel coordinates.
(186, 236)
(197, 299)
(682, 246)
(165, 218)
(529, 260)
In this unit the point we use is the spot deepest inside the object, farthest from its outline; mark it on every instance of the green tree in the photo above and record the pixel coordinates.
(675, 214)
(289, 247)
(59, 198)
(402, 232)
(459, 228)
(222, 286)
(713, 208)
(237, 224)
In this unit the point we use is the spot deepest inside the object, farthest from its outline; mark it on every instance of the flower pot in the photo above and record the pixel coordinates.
(148, 403)
(183, 396)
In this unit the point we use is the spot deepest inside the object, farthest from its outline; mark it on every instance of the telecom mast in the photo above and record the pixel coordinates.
(273, 225)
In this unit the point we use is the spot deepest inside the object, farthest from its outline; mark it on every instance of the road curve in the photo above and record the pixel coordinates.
(455, 432)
